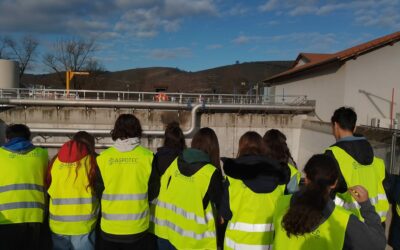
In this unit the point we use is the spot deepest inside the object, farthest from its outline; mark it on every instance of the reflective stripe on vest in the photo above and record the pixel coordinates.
(22, 198)
(72, 218)
(185, 233)
(73, 208)
(251, 228)
(124, 197)
(188, 215)
(369, 176)
(329, 235)
(17, 205)
(178, 214)
(251, 224)
(125, 217)
(238, 246)
(125, 206)
(21, 186)
(355, 205)
(72, 201)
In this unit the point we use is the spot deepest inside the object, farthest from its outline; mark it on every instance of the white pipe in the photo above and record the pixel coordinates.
(195, 109)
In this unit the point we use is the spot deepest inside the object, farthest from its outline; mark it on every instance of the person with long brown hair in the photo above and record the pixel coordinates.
(74, 205)
(309, 219)
(277, 148)
(174, 144)
(253, 185)
(182, 214)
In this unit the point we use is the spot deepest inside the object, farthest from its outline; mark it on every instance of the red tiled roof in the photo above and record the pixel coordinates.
(312, 57)
(317, 60)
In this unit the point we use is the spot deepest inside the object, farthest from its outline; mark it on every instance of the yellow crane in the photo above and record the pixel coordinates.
(69, 75)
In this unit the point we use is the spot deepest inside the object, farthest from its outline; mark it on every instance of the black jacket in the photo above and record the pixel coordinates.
(259, 173)
(161, 161)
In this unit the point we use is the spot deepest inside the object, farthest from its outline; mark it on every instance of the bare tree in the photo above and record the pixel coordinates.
(71, 54)
(23, 51)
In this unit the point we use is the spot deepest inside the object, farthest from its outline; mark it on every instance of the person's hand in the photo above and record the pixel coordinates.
(359, 193)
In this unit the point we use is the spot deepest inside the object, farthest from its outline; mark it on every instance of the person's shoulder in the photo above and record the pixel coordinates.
(105, 152)
(145, 151)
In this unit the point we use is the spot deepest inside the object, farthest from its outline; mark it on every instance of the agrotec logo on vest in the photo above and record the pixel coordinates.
(183, 177)
(123, 161)
(357, 165)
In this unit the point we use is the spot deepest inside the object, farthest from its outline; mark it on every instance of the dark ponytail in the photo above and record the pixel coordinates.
(305, 212)
(276, 147)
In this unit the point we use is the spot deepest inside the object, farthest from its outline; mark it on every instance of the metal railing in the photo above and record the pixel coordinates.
(181, 98)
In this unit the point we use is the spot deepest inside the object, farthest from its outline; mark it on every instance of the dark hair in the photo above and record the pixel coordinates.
(305, 212)
(126, 126)
(251, 144)
(346, 118)
(207, 141)
(18, 130)
(173, 137)
(85, 142)
(276, 146)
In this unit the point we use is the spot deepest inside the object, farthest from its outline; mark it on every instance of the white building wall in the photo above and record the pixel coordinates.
(326, 88)
(376, 73)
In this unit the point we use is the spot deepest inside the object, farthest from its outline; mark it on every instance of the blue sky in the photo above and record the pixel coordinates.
(199, 34)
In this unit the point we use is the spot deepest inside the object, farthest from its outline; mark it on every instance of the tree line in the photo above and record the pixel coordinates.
(76, 54)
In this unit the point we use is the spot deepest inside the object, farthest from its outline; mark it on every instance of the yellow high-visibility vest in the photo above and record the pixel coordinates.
(328, 236)
(251, 226)
(22, 186)
(178, 215)
(73, 206)
(124, 203)
(369, 176)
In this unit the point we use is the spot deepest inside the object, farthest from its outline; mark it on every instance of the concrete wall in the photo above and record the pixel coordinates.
(326, 88)
(228, 126)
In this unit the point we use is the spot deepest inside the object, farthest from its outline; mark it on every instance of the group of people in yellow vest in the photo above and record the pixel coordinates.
(182, 198)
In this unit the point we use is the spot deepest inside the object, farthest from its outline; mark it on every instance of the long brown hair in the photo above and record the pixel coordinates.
(207, 141)
(173, 137)
(88, 140)
(305, 212)
(251, 143)
(85, 143)
(276, 147)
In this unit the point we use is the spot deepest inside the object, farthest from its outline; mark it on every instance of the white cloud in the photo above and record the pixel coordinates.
(236, 10)
(137, 18)
(242, 39)
(214, 46)
(379, 13)
(170, 53)
(302, 10)
(269, 5)
(178, 8)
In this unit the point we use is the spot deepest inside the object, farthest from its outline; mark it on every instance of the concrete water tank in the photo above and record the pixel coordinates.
(8, 74)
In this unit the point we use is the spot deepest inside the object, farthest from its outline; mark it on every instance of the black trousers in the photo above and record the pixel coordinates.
(148, 242)
(21, 236)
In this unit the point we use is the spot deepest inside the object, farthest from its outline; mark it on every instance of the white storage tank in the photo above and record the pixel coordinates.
(9, 77)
